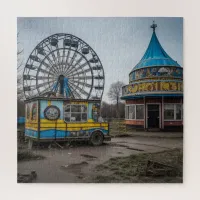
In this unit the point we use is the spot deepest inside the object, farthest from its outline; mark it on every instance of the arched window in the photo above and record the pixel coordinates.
(34, 112)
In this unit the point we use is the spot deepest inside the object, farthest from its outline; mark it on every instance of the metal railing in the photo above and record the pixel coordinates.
(117, 126)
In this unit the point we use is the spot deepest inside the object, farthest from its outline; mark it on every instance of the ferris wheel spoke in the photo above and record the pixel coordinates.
(83, 83)
(55, 74)
(74, 91)
(82, 91)
(74, 66)
(70, 76)
(45, 71)
(59, 61)
(28, 88)
(72, 60)
(83, 77)
(49, 66)
(47, 57)
(55, 60)
(71, 93)
(67, 58)
(43, 84)
(63, 58)
(80, 67)
(73, 57)
(72, 83)
(43, 77)
(29, 77)
(52, 65)
(80, 73)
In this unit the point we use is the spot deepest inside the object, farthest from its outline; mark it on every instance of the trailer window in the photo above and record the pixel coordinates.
(75, 113)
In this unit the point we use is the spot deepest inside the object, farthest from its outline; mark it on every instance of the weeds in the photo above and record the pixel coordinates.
(133, 168)
(28, 155)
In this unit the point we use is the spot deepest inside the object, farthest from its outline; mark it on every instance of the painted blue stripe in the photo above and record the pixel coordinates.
(151, 95)
(21, 120)
(31, 133)
(149, 81)
(52, 134)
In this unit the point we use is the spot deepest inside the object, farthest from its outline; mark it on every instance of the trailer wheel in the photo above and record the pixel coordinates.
(96, 138)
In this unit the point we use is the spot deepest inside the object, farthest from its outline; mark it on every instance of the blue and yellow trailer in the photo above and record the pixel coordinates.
(59, 119)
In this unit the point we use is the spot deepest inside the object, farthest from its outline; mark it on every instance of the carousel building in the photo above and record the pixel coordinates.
(154, 95)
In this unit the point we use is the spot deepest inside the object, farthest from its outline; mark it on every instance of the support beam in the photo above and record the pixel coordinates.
(30, 144)
(145, 113)
(162, 113)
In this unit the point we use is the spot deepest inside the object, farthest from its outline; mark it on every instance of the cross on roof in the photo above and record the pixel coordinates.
(153, 26)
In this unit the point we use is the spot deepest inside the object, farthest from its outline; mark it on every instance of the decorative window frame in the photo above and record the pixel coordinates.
(74, 112)
(135, 118)
(174, 112)
(50, 107)
(28, 112)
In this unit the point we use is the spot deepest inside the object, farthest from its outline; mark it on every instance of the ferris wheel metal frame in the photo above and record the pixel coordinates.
(65, 55)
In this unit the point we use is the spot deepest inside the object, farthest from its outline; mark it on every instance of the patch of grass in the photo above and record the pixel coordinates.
(114, 168)
(133, 168)
(101, 167)
(28, 155)
(120, 173)
(105, 179)
(114, 159)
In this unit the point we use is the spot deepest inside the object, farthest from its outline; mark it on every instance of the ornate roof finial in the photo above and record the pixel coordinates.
(153, 26)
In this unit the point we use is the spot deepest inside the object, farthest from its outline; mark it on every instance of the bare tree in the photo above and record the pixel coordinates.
(108, 110)
(20, 95)
(115, 93)
(19, 70)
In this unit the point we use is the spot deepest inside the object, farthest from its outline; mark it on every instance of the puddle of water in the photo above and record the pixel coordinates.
(75, 165)
(88, 156)
(134, 149)
(127, 147)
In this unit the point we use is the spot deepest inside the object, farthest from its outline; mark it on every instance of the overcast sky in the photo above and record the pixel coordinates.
(119, 42)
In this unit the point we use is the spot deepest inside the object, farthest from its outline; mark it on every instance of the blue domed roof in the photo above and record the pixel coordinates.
(155, 55)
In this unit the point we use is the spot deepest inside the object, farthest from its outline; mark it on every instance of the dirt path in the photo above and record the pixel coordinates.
(76, 164)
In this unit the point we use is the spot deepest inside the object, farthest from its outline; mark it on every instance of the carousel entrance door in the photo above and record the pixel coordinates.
(153, 116)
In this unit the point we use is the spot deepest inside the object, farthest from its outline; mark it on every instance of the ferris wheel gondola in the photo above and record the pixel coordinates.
(64, 55)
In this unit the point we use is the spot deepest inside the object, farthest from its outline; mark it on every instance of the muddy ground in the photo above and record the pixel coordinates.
(114, 160)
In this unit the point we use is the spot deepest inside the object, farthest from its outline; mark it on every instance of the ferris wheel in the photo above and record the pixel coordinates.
(64, 56)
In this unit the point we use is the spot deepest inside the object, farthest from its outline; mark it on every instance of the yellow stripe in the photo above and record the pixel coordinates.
(64, 129)
(64, 126)
(77, 102)
(49, 103)
(61, 125)
(71, 129)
